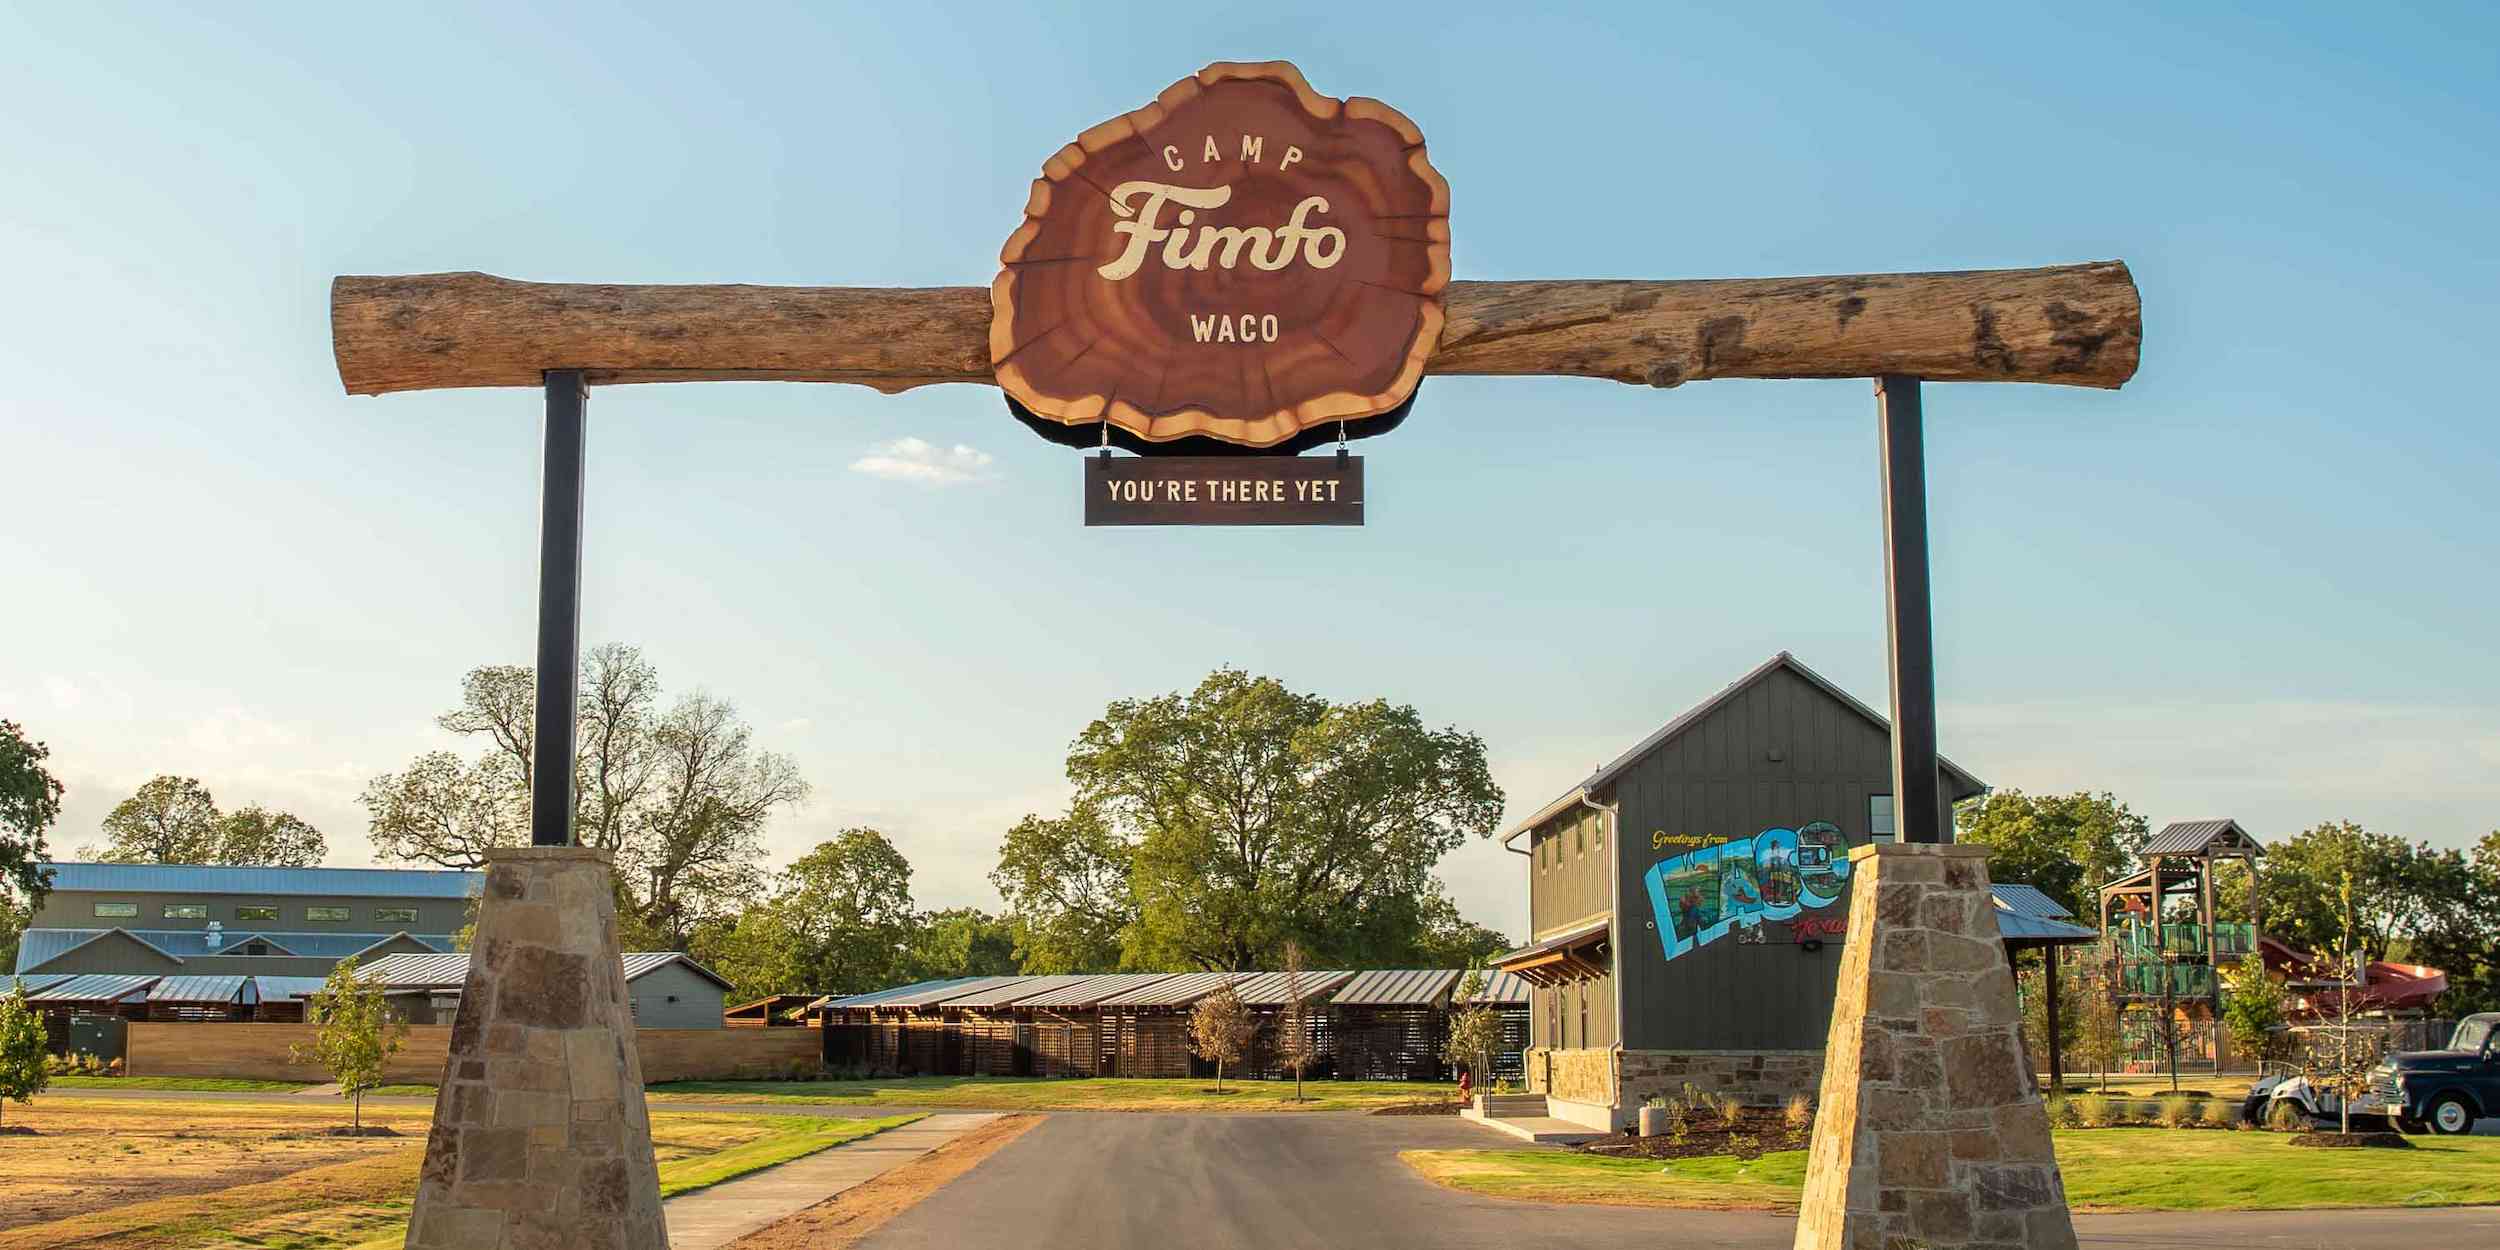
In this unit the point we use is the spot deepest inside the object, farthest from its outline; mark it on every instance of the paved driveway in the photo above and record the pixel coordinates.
(1282, 1182)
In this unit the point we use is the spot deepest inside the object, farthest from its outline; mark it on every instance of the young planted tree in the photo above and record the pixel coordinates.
(22, 1074)
(2099, 1038)
(1293, 1027)
(354, 1033)
(2341, 1062)
(1220, 1029)
(1475, 1031)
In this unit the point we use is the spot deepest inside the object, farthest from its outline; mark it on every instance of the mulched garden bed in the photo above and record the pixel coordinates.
(1420, 1108)
(341, 1130)
(2352, 1141)
(1757, 1131)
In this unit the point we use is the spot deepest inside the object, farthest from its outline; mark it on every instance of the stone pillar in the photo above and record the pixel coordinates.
(540, 1137)
(1930, 1133)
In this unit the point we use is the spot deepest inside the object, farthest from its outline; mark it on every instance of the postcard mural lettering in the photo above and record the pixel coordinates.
(1738, 884)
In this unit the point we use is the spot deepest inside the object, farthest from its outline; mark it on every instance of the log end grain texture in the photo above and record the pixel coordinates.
(1241, 259)
(2067, 325)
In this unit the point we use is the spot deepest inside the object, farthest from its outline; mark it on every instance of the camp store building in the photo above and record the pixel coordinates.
(1687, 902)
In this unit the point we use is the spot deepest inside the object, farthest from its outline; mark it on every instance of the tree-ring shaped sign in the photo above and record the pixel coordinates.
(1243, 260)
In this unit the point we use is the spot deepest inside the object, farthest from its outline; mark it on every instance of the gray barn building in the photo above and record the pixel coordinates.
(1687, 901)
(663, 989)
(211, 920)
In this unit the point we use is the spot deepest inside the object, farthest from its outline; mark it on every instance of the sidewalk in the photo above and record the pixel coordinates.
(710, 1218)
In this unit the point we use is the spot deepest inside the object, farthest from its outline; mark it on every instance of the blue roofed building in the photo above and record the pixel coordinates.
(195, 920)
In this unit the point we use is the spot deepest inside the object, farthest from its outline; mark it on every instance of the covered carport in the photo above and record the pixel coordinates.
(1391, 1024)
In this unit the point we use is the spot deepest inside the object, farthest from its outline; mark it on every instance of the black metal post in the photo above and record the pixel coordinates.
(559, 611)
(1917, 796)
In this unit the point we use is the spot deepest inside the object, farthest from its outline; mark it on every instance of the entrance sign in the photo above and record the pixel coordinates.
(1224, 490)
(1241, 260)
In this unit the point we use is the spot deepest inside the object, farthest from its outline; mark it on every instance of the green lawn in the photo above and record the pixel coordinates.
(210, 1083)
(805, 1137)
(1002, 1093)
(2128, 1169)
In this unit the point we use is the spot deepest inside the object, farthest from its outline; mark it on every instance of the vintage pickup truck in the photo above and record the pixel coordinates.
(2441, 1091)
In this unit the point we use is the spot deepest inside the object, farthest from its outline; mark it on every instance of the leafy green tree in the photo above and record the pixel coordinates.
(2033, 976)
(2254, 1008)
(170, 820)
(30, 800)
(174, 820)
(2394, 888)
(2065, 845)
(256, 835)
(1242, 815)
(838, 922)
(2100, 1033)
(2461, 935)
(22, 1049)
(959, 942)
(1066, 884)
(354, 1033)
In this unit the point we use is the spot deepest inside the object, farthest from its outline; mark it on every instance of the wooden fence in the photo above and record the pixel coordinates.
(261, 1052)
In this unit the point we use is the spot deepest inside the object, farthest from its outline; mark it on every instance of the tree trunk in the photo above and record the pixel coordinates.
(2073, 325)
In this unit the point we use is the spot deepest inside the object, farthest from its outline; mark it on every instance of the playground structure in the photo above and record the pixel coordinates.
(2166, 949)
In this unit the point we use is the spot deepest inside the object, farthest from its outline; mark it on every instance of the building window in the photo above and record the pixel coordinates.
(1584, 1013)
(186, 911)
(395, 915)
(1879, 816)
(1580, 837)
(255, 913)
(325, 913)
(115, 911)
(1597, 832)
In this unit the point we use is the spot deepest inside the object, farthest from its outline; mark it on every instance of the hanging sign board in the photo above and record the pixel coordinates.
(1224, 490)
(1241, 264)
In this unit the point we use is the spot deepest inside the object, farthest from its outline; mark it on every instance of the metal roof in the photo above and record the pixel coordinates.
(1267, 989)
(198, 990)
(446, 971)
(1560, 941)
(832, 1002)
(945, 992)
(1175, 991)
(2016, 927)
(1016, 989)
(1091, 991)
(37, 947)
(280, 989)
(1499, 987)
(224, 879)
(95, 987)
(34, 984)
(1595, 780)
(2187, 837)
(2024, 900)
(1398, 987)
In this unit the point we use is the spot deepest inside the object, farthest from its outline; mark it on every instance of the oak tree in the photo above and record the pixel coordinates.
(2065, 845)
(175, 820)
(30, 800)
(22, 1049)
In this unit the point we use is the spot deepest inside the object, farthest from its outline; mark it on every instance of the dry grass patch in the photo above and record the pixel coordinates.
(125, 1174)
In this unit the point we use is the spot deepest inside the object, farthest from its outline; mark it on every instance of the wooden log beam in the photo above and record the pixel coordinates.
(2072, 325)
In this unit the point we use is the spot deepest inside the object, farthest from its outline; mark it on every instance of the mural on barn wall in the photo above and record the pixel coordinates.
(1738, 885)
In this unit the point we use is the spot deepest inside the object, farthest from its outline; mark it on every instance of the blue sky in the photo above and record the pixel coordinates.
(2258, 582)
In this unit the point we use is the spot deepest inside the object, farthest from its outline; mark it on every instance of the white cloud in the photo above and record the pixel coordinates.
(917, 460)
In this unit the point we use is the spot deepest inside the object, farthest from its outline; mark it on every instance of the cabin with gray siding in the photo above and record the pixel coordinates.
(1687, 900)
(233, 920)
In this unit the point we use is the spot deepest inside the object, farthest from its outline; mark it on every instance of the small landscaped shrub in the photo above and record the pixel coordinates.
(2220, 1113)
(2176, 1111)
(2284, 1117)
(1799, 1112)
(1731, 1111)
(2061, 1112)
(2094, 1110)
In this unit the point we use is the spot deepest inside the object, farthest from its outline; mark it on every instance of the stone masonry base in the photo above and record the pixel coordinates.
(1930, 1133)
(1605, 1088)
(540, 1138)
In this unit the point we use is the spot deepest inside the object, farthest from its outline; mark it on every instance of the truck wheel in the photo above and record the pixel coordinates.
(2451, 1117)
